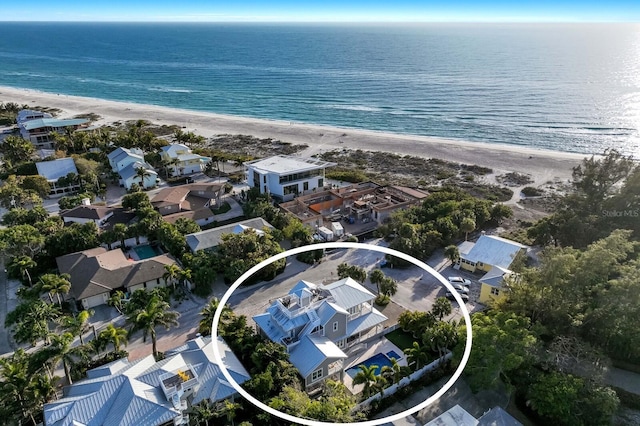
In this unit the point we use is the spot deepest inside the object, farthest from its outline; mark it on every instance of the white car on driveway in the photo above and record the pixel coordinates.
(460, 281)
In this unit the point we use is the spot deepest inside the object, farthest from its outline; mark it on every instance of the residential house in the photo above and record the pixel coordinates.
(126, 162)
(88, 213)
(146, 392)
(361, 202)
(95, 273)
(316, 323)
(38, 127)
(458, 416)
(192, 201)
(181, 160)
(54, 170)
(284, 177)
(492, 255)
(211, 238)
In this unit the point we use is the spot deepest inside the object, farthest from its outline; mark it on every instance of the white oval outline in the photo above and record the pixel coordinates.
(218, 357)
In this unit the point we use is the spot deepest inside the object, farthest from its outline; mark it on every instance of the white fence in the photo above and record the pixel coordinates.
(403, 382)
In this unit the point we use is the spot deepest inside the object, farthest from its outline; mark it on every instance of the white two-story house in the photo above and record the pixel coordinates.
(182, 160)
(285, 177)
(317, 323)
(127, 162)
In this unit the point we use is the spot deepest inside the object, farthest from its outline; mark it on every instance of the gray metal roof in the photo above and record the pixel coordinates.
(497, 417)
(454, 416)
(313, 351)
(131, 169)
(55, 169)
(494, 251)
(211, 238)
(39, 123)
(286, 164)
(130, 394)
(348, 293)
(365, 322)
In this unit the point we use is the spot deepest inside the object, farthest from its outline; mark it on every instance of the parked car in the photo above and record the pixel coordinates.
(461, 289)
(459, 280)
(464, 296)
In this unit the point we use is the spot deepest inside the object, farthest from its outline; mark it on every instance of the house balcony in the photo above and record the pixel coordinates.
(179, 383)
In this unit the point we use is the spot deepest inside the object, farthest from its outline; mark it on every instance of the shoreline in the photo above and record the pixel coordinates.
(543, 165)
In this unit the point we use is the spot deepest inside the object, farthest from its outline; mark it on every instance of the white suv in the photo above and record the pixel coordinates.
(460, 281)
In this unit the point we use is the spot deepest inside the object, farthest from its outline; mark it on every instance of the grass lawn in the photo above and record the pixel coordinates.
(225, 207)
(400, 338)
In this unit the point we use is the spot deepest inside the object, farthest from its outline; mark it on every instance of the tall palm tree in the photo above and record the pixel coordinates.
(228, 409)
(15, 380)
(21, 265)
(34, 324)
(62, 351)
(142, 173)
(117, 301)
(155, 313)
(171, 274)
(367, 377)
(184, 276)
(452, 253)
(208, 312)
(78, 324)
(116, 335)
(56, 284)
(467, 225)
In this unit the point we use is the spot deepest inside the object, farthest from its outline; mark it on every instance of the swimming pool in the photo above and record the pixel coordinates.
(393, 354)
(379, 360)
(147, 251)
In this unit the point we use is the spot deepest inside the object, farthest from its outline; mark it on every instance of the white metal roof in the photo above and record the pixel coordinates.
(454, 416)
(211, 237)
(285, 164)
(494, 251)
(55, 169)
(365, 322)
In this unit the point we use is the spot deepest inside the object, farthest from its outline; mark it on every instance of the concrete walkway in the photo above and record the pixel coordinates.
(624, 379)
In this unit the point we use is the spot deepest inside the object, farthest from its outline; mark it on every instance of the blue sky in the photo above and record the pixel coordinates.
(322, 10)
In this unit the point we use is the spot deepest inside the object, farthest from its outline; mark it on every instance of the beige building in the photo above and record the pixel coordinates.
(95, 273)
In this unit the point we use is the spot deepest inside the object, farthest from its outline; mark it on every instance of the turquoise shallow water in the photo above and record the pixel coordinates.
(568, 87)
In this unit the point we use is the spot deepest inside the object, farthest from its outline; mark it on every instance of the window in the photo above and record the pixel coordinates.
(316, 375)
(335, 326)
(305, 186)
(320, 183)
(495, 291)
(291, 189)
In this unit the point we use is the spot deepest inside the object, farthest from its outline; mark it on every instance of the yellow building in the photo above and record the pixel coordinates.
(493, 255)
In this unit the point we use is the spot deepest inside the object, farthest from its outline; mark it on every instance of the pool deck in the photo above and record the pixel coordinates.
(375, 346)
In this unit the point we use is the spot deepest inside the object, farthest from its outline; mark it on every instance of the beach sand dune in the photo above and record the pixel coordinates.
(542, 165)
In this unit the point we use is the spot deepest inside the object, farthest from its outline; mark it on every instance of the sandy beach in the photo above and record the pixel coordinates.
(542, 165)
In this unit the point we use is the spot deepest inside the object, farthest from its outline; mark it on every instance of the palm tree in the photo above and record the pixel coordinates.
(155, 313)
(201, 413)
(116, 335)
(171, 274)
(78, 324)
(441, 307)
(416, 356)
(119, 232)
(367, 377)
(62, 351)
(55, 284)
(452, 253)
(21, 265)
(184, 276)
(394, 372)
(116, 300)
(208, 313)
(142, 173)
(228, 408)
(467, 225)
(34, 324)
(376, 277)
(15, 380)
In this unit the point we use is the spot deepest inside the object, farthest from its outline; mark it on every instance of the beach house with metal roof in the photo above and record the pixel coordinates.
(59, 168)
(126, 162)
(211, 238)
(146, 392)
(492, 255)
(95, 273)
(285, 176)
(38, 127)
(181, 160)
(316, 323)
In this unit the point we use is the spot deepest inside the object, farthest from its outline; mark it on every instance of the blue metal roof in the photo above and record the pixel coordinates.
(39, 123)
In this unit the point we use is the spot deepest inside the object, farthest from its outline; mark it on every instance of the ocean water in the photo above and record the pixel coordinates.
(567, 87)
